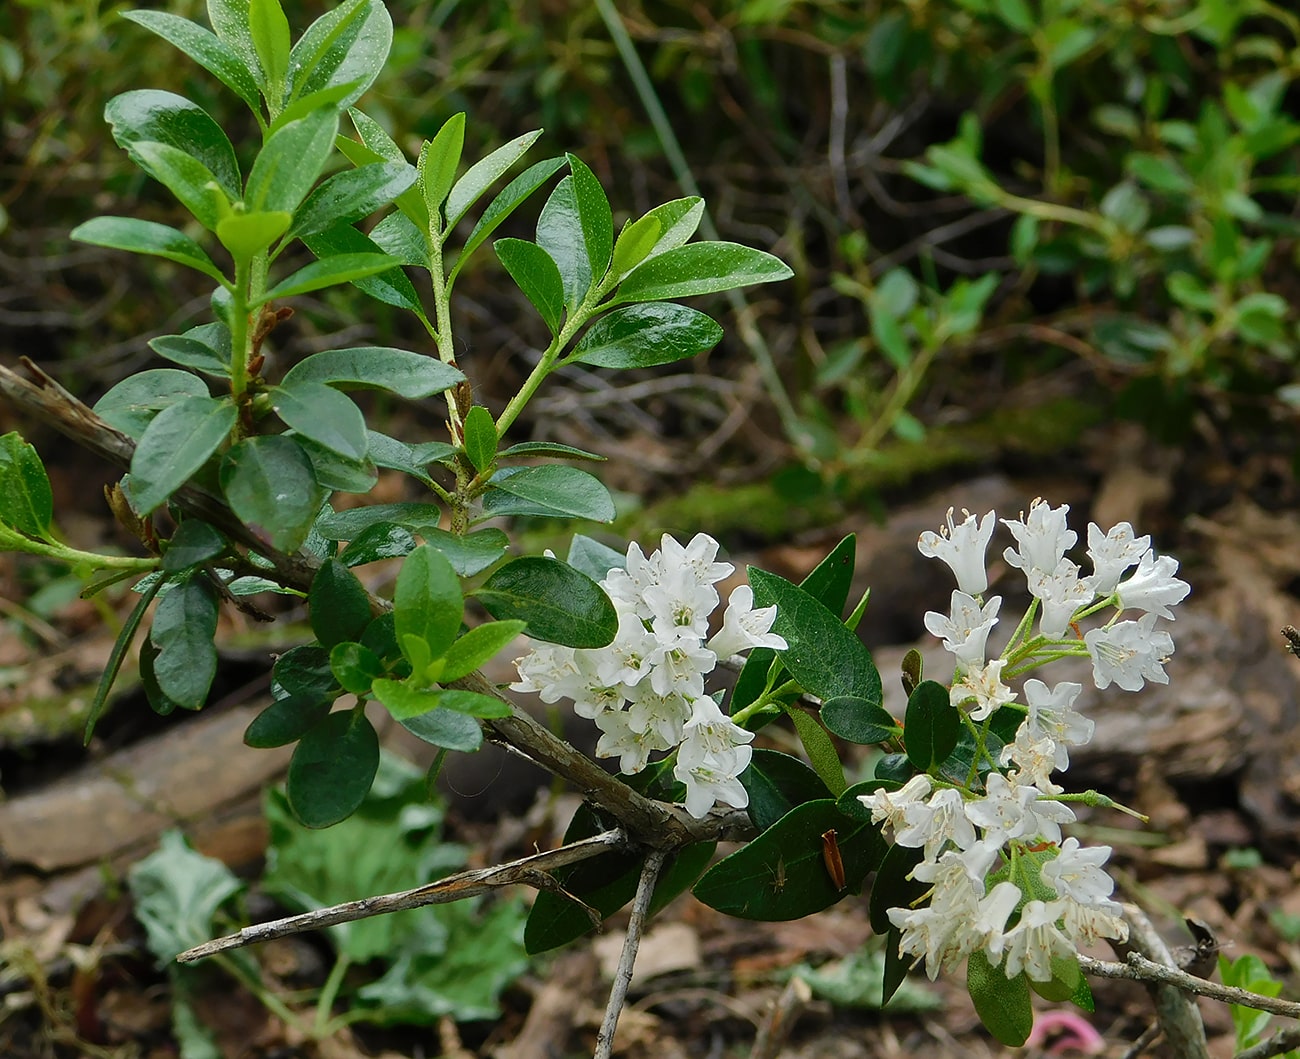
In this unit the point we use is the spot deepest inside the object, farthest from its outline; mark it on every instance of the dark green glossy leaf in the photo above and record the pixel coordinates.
(913, 671)
(383, 540)
(205, 348)
(559, 604)
(117, 656)
(290, 162)
(396, 455)
(484, 173)
(326, 272)
(351, 195)
(559, 233)
(1003, 1004)
(896, 965)
(153, 693)
(830, 580)
(131, 405)
(642, 336)
(381, 637)
(700, 268)
(183, 627)
(470, 554)
(340, 605)
(332, 768)
(26, 501)
(304, 671)
(147, 237)
(550, 448)
(776, 783)
(592, 558)
(548, 491)
(410, 375)
(344, 47)
(392, 287)
(269, 483)
(177, 442)
(446, 728)
(511, 198)
(323, 414)
(893, 888)
(355, 667)
(286, 721)
(782, 874)
(480, 438)
(348, 525)
(334, 472)
(428, 603)
(536, 274)
(594, 216)
(194, 542)
(858, 720)
(931, 726)
(164, 117)
(205, 48)
(401, 240)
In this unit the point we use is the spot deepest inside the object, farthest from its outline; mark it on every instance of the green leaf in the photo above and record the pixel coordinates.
(304, 670)
(187, 178)
(823, 656)
(349, 196)
(595, 217)
(484, 173)
(383, 540)
(26, 501)
(334, 472)
(158, 699)
(339, 603)
(1002, 1003)
(931, 726)
(410, 375)
(342, 268)
(470, 554)
(831, 579)
(396, 455)
(166, 118)
(511, 197)
(438, 162)
(892, 887)
(776, 783)
(117, 656)
(447, 729)
(270, 485)
(401, 240)
(375, 138)
(858, 720)
(286, 721)
(332, 768)
(349, 525)
(559, 604)
(229, 19)
(480, 438)
(536, 275)
(205, 348)
(548, 491)
(678, 220)
(560, 234)
(176, 895)
(550, 448)
(291, 161)
(782, 874)
(183, 627)
(392, 287)
(820, 749)
(428, 603)
(178, 441)
(193, 543)
(147, 237)
(476, 647)
(405, 699)
(641, 336)
(205, 48)
(473, 704)
(246, 235)
(270, 32)
(635, 243)
(323, 414)
(594, 559)
(344, 47)
(355, 667)
(700, 268)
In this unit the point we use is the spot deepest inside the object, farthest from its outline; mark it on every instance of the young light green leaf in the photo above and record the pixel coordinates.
(560, 234)
(26, 501)
(291, 160)
(484, 173)
(374, 136)
(439, 159)
(536, 274)
(411, 376)
(193, 183)
(476, 647)
(322, 99)
(183, 627)
(392, 287)
(345, 46)
(205, 48)
(404, 700)
(594, 214)
(351, 195)
(205, 348)
(511, 197)
(480, 438)
(270, 32)
(641, 336)
(427, 602)
(339, 604)
(269, 483)
(549, 492)
(246, 235)
(323, 414)
(678, 220)
(179, 440)
(164, 117)
(326, 272)
(147, 237)
(550, 448)
(699, 268)
(635, 243)
(132, 404)
(559, 604)
(332, 768)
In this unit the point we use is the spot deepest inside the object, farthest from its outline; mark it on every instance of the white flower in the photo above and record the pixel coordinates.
(697, 557)
(711, 733)
(1089, 923)
(1043, 538)
(941, 938)
(1129, 653)
(681, 668)
(707, 780)
(633, 749)
(1061, 593)
(1077, 873)
(680, 607)
(890, 806)
(665, 714)
(1036, 757)
(1013, 810)
(985, 686)
(995, 909)
(965, 631)
(931, 824)
(546, 670)
(962, 547)
(629, 584)
(627, 659)
(970, 864)
(1153, 587)
(1052, 713)
(743, 627)
(1112, 554)
(1035, 941)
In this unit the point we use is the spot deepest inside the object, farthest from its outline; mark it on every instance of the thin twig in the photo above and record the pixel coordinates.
(781, 1019)
(623, 975)
(1138, 968)
(1282, 1041)
(526, 871)
(1148, 1037)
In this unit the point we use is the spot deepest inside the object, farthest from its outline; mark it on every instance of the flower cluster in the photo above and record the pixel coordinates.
(992, 850)
(645, 691)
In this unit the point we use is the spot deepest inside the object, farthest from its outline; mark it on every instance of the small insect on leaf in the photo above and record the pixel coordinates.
(1292, 639)
(832, 859)
(778, 875)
